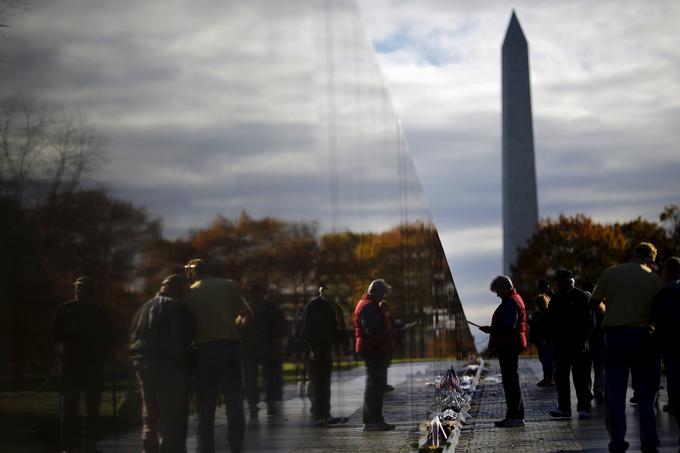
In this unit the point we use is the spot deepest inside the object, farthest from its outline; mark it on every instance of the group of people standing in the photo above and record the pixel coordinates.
(623, 326)
(200, 328)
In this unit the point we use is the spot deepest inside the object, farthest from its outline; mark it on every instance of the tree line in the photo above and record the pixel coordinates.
(587, 247)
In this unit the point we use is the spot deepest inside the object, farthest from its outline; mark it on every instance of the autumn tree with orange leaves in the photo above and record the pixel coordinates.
(588, 248)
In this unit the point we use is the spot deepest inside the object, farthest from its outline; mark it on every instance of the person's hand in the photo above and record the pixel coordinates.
(485, 329)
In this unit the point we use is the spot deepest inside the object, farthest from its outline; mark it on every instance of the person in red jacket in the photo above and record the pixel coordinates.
(374, 343)
(508, 332)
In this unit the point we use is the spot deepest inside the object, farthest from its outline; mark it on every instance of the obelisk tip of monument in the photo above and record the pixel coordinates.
(514, 32)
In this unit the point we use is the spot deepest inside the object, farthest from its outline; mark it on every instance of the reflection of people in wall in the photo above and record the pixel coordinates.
(217, 308)
(508, 332)
(374, 344)
(262, 346)
(160, 348)
(84, 332)
(397, 328)
(320, 333)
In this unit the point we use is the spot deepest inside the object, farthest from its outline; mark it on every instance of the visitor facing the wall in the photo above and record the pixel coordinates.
(508, 332)
(374, 344)
(624, 293)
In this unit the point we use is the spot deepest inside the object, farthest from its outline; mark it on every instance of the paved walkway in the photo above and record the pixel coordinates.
(409, 404)
(412, 403)
(543, 433)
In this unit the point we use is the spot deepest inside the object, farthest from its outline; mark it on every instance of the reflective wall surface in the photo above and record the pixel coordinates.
(258, 135)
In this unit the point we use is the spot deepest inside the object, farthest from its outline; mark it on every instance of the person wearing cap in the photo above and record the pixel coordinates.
(667, 321)
(262, 346)
(160, 349)
(625, 293)
(320, 333)
(374, 344)
(539, 333)
(85, 335)
(570, 324)
(508, 336)
(218, 311)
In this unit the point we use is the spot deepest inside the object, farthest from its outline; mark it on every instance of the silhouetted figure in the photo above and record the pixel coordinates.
(160, 349)
(262, 346)
(596, 346)
(570, 324)
(218, 310)
(374, 344)
(508, 336)
(321, 334)
(299, 350)
(667, 320)
(625, 293)
(84, 332)
(385, 308)
(539, 333)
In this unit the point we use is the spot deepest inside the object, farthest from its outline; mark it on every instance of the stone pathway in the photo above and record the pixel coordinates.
(543, 433)
(407, 406)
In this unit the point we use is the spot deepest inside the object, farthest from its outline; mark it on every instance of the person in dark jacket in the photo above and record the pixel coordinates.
(262, 346)
(85, 335)
(596, 347)
(570, 325)
(667, 320)
(539, 333)
(321, 334)
(508, 336)
(160, 349)
(374, 344)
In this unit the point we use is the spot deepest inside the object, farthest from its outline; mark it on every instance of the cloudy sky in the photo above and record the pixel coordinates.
(606, 103)
(220, 106)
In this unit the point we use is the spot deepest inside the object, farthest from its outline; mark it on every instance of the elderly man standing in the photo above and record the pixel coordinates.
(508, 332)
(570, 324)
(160, 348)
(374, 344)
(218, 310)
(624, 294)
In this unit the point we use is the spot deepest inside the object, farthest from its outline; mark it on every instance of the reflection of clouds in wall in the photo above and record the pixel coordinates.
(208, 110)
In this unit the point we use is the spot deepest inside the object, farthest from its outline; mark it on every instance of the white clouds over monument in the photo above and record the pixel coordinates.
(605, 96)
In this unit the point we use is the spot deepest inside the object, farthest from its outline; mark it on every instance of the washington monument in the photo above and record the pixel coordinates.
(520, 205)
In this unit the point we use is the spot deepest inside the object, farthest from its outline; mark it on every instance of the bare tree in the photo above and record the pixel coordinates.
(44, 150)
